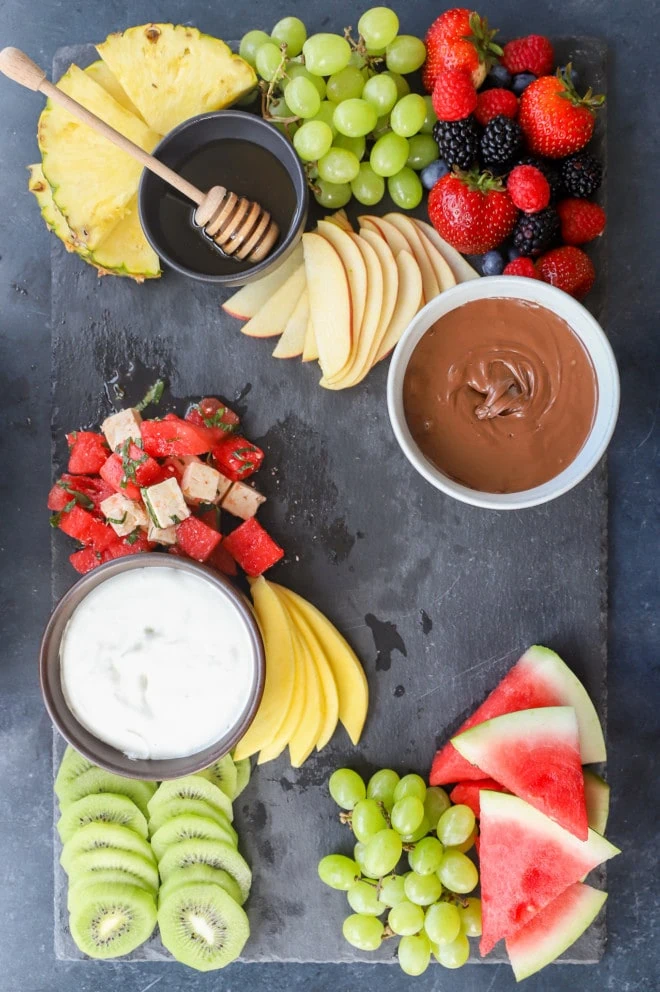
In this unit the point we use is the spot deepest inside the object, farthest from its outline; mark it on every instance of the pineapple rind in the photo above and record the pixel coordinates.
(52, 215)
(101, 74)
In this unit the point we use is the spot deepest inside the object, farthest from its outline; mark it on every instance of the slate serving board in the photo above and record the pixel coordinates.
(438, 599)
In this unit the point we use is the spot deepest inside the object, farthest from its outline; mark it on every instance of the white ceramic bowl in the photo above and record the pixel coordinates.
(592, 337)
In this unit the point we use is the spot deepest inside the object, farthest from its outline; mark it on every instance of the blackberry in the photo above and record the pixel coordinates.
(551, 173)
(581, 174)
(458, 141)
(501, 140)
(534, 233)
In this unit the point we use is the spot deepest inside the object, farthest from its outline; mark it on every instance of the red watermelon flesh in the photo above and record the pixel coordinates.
(536, 755)
(467, 793)
(554, 929)
(526, 860)
(539, 678)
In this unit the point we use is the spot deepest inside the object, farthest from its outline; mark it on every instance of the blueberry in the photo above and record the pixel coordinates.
(436, 170)
(492, 263)
(513, 253)
(498, 78)
(522, 81)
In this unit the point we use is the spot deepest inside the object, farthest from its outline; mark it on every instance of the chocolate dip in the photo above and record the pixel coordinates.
(500, 394)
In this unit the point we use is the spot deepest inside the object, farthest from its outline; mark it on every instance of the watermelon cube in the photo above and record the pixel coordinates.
(112, 472)
(89, 492)
(237, 458)
(86, 528)
(87, 452)
(133, 544)
(85, 560)
(173, 436)
(196, 538)
(253, 548)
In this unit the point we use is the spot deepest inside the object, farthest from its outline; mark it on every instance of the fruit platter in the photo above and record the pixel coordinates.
(416, 696)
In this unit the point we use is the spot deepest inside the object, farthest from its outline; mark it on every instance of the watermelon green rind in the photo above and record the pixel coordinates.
(526, 861)
(597, 797)
(536, 755)
(554, 929)
(539, 678)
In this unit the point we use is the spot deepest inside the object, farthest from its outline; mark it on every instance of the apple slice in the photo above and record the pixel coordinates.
(390, 293)
(405, 226)
(310, 351)
(356, 270)
(292, 342)
(274, 315)
(329, 303)
(409, 301)
(441, 267)
(248, 300)
(340, 218)
(461, 268)
(394, 238)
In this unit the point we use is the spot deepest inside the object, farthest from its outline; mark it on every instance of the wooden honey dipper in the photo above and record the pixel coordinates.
(238, 226)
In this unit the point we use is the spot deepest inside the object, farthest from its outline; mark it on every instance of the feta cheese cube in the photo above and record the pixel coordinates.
(122, 426)
(161, 535)
(199, 483)
(165, 503)
(123, 514)
(243, 501)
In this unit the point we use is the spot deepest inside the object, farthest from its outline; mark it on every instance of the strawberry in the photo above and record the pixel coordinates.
(581, 221)
(531, 54)
(496, 103)
(472, 211)
(459, 39)
(528, 188)
(556, 121)
(521, 267)
(454, 95)
(569, 269)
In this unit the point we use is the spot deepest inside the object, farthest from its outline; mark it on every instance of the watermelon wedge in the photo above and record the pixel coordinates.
(526, 861)
(536, 755)
(539, 678)
(554, 929)
(467, 793)
(597, 797)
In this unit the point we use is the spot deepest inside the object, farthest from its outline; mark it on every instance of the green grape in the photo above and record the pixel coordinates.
(421, 831)
(358, 147)
(436, 802)
(280, 108)
(326, 114)
(326, 54)
(338, 871)
(409, 785)
(405, 54)
(303, 98)
(345, 85)
(392, 890)
(247, 98)
(406, 918)
(363, 932)
(312, 140)
(471, 917)
(381, 92)
(363, 898)
(346, 788)
(378, 26)
(431, 116)
(402, 85)
(355, 118)
(250, 45)
(368, 189)
(382, 127)
(453, 955)
(367, 818)
(338, 166)
(405, 188)
(426, 856)
(455, 825)
(268, 61)
(457, 873)
(290, 31)
(468, 844)
(408, 115)
(295, 69)
(422, 150)
(423, 890)
(408, 813)
(358, 854)
(382, 853)
(442, 923)
(414, 954)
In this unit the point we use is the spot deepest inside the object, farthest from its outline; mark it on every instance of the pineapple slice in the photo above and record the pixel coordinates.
(100, 73)
(52, 215)
(173, 72)
(92, 180)
(126, 251)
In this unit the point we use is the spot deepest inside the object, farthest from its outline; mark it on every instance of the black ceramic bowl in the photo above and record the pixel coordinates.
(245, 154)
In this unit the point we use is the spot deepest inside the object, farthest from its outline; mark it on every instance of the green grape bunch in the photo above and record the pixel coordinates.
(426, 903)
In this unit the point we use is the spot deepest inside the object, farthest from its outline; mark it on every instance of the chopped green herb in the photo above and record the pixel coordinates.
(216, 419)
(243, 451)
(129, 464)
(152, 396)
(175, 519)
(150, 510)
(56, 517)
(79, 497)
(246, 466)
(114, 520)
(133, 536)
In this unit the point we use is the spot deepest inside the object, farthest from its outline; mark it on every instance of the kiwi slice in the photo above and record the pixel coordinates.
(108, 921)
(185, 827)
(98, 835)
(216, 853)
(102, 808)
(105, 878)
(243, 772)
(223, 774)
(71, 766)
(96, 780)
(202, 926)
(191, 787)
(114, 859)
(202, 873)
(180, 807)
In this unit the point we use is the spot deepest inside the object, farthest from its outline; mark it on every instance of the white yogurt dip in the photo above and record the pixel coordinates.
(157, 663)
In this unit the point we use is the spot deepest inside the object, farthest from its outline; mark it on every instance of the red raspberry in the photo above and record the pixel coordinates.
(528, 188)
(581, 221)
(569, 269)
(521, 267)
(454, 95)
(495, 103)
(531, 54)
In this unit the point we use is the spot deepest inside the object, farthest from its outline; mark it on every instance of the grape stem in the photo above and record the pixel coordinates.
(388, 932)
(360, 47)
(268, 93)
(346, 818)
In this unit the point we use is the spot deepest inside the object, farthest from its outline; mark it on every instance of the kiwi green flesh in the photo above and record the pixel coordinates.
(179, 807)
(243, 772)
(113, 859)
(223, 774)
(202, 926)
(110, 921)
(185, 827)
(105, 878)
(202, 873)
(96, 780)
(191, 787)
(101, 808)
(71, 766)
(215, 853)
(101, 835)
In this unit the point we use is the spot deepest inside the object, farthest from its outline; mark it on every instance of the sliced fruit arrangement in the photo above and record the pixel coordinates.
(313, 680)
(344, 297)
(151, 78)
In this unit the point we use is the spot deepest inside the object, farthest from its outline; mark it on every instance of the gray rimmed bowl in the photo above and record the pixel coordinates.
(97, 751)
